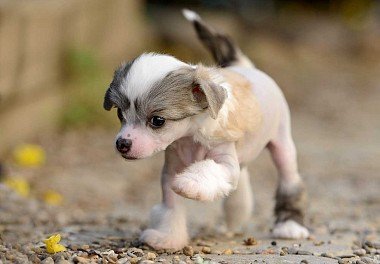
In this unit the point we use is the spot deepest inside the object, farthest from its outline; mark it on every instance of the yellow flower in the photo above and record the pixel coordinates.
(29, 155)
(19, 185)
(52, 244)
(53, 198)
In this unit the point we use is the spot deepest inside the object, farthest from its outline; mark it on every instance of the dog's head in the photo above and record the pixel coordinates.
(157, 98)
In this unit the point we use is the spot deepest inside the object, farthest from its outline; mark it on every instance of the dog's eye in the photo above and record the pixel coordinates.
(119, 114)
(157, 121)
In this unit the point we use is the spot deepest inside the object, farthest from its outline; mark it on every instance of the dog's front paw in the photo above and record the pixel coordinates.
(290, 230)
(160, 240)
(201, 187)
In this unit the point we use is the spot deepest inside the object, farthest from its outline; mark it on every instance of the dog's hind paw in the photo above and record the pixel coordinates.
(159, 240)
(290, 230)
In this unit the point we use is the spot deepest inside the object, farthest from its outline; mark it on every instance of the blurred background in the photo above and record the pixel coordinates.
(58, 164)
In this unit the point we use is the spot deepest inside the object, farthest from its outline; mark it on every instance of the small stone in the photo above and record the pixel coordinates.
(206, 250)
(146, 262)
(197, 259)
(273, 243)
(135, 252)
(33, 258)
(367, 260)
(80, 260)
(360, 252)
(360, 262)
(250, 241)
(188, 251)
(48, 260)
(304, 252)
(372, 244)
(63, 261)
(228, 251)
(85, 247)
(134, 260)
(292, 251)
(282, 253)
(204, 243)
(123, 261)
(327, 255)
(347, 256)
(151, 256)
(304, 261)
(318, 243)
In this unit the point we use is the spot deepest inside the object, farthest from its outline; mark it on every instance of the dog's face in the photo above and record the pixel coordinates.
(157, 98)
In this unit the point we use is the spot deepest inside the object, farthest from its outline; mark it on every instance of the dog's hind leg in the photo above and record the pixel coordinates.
(291, 195)
(238, 206)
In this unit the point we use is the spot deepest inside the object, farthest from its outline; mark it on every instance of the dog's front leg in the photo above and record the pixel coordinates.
(167, 229)
(211, 178)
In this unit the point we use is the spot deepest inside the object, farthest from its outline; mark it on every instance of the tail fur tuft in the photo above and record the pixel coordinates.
(222, 48)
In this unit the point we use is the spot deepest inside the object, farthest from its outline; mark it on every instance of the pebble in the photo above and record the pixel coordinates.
(78, 259)
(134, 260)
(228, 251)
(123, 261)
(146, 262)
(292, 251)
(360, 252)
(372, 244)
(304, 252)
(250, 241)
(135, 252)
(360, 262)
(327, 255)
(206, 250)
(204, 243)
(304, 261)
(318, 243)
(85, 247)
(273, 243)
(48, 260)
(343, 261)
(63, 261)
(367, 260)
(151, 256)
(188, 251)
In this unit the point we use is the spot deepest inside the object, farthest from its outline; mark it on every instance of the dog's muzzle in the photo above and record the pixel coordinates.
(123, 145)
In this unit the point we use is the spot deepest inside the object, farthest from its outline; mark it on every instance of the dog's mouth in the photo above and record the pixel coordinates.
(128, 157)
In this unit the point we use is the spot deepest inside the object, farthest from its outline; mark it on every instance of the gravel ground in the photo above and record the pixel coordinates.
(107, 200)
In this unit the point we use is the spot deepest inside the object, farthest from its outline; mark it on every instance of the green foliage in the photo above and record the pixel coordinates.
(86, 85)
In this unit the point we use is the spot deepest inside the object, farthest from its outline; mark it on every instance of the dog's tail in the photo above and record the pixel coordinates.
(222, 48)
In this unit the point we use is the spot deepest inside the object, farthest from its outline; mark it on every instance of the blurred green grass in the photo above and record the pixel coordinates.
(87, 82)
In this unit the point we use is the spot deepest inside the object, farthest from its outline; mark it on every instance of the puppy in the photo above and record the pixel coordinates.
(210, 121)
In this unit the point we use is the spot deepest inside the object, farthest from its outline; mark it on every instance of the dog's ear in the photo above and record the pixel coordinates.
(108, 104)
(207, 91)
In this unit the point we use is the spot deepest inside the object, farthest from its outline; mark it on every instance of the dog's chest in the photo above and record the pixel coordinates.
(189, 151)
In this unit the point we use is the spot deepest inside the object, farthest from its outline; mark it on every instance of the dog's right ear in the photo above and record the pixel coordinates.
(108, 104)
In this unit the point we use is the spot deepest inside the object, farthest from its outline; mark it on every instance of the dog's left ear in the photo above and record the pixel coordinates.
(108, 104)
(207, 90)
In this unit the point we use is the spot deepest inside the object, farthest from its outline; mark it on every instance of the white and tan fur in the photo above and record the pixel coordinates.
(205, 152)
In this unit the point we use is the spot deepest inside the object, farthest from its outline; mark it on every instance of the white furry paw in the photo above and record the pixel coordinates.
(290, 230)
(203, 181)
(159, 240)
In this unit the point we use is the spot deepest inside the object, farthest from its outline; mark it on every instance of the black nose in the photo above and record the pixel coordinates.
(123, 145)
